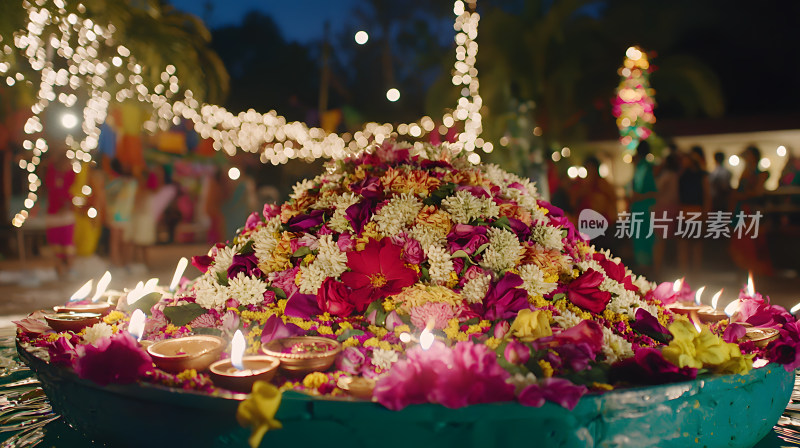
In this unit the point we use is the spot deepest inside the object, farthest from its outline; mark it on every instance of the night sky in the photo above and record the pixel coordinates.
(300, 20)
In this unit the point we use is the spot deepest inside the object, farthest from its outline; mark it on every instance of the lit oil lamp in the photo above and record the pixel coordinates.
(94, 305)
(176, 277)
(712, 314)
(71, 321)
(136, 328)
(426, 337)
(303, 354)
(686, 308)
(760, 336)
(240, 372)
(357, 386)
(190, 352)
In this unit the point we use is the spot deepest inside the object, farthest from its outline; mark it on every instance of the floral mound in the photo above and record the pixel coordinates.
(385, 250)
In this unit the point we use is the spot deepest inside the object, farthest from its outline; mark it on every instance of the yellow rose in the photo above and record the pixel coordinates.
(258, 411)
(531, 325)
(682, 353)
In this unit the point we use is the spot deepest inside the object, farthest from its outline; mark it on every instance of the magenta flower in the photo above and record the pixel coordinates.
(467, 238)
(334, 297)
(270, 211)
(412, 380)
(412, 252)
(62, 352)
(557, 390)
(345, 242)
(301, 223)
(784, 351)
(734, 332)
(115, 359)
(247, 264)
(202, 262)
(370, 188)
(504, 299)
(303, 306)
(616, 272)
(285, 281)
(351, 360)
(587, 331)
(517, 353)
(359, 214)
(645, 323)
(252, 221)
(522, 230)
(274, 328)
(500, 329)
(648, 366)
(584, 292)
(758, 312)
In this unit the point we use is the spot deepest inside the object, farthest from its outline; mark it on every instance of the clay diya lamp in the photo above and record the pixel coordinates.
(357, 386)
(710, 315)
(255, 368)
(758, 335)
(71, 321)
(191, 352)
(101, 308)
(685, 308)
(303, 354)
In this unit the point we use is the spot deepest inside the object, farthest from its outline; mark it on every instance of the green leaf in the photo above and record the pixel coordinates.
(423, 274)
(481, 248)
(145, 303)
(247, 248)
(473, 321)
(459, 254)
(209, 331)
(559, 296)
(301, 252)
(222, 278)
(279, 294)
(439, 194)
(348, 334)
(183, 314)
(502, 223)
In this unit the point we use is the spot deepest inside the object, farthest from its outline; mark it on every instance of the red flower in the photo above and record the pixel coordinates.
(584, 292)
(333, 297)
(377, 271)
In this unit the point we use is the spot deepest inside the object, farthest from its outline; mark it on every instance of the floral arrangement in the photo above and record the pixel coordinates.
(444, 282)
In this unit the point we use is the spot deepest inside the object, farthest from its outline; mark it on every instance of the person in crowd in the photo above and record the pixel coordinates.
(595, 193)
(213, 195)
(642, 199)
(667, 206)
(120, 195)
(89, 224)
(695, 201)
(60, 218)
(239, 202)
(751, 254)
(144, 219)
(719, 182)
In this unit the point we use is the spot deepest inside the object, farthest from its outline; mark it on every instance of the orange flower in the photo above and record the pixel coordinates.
(514, 211)
(431, 217)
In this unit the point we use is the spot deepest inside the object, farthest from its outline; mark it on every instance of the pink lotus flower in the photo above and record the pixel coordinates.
(378, 271)
(584, 292)
(439, 313)
(557, 390)
(115, 359)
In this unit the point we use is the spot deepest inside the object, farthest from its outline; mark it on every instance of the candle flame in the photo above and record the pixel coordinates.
(732, 307)
(182, 263)
(699, 294)
(677, 285)
(795, 308)
(715, 299)
(751, 289)
(150, 286)
(405, 337)
(426, 337)
(237, 350)
(82, 292)
(102, 285)
(136, 326)
(135, 294)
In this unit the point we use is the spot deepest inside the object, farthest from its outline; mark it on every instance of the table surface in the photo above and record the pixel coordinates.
(47, 430)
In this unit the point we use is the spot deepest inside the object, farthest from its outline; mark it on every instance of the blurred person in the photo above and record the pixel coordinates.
(642, 199)
(719, 182)
(89, 229)
(60, 218)
(144, 220)
(595, 193)
(667, 205)
(239, 202)
(694, 195)
(751, 254)
(213, 195)
(120, 195)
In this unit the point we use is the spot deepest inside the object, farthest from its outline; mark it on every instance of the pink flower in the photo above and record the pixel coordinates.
(648, 366)
(439, 313)
(62, 352)
(115, 359)
(504, 299)
(517, 352)
(270, 211)
(230, 321)
(584, 292)
(351, 360)
(412, 251)
(557, 390)
(615, 271)
(467, 238)
(274, 328)
(206, 320)
(285, 281)
(252, 221)
(501, 328)
(412, 380)
(392, 320)
(345, 242)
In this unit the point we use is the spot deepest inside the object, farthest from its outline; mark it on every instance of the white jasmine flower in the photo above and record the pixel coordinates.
(384, 358)
(338, 221)
(428, 235)
(533, 280)
(398, 214)
(247, 290)
(548, 236)
(475, 290)
(567, 319)
(330, 262)
(464, 207)
(208, 292)
(521, 381)
(300, 188)
(504, 250)
(615, 347)
(265, 240)
(96, 332)
(441, 264)
(223, 259)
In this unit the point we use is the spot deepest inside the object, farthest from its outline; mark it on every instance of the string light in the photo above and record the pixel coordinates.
(79, 41)
(634, 104)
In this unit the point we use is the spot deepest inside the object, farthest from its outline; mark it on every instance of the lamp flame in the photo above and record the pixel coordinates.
(677, 285)
(698, 295)
(102, 285)
(135, 294)
(82, 292)
(426, 338)
(136, 326)
(751, 289)
(715, 299)
(237, 350)
(405, 337)
(732, 307)
(182, 263)
(150, 286)
(795, 308)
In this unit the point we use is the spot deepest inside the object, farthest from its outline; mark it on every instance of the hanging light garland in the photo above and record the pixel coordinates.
(78, 41)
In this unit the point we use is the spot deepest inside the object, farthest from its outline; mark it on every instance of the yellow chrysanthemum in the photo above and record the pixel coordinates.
(314, 380)
(350, 342)
(547, 369)
(113, 317)
(493, 343)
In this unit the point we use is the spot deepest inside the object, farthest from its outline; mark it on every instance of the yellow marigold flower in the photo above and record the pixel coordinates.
(53, 337)
(314, 380)
(388, 305)
(371, 342)
(170, 329)
(547, 369)
(453, 281)
(401, 329)
(384, 345)
(187, 375)
(552, 278)
(493, 343)
(485, 323)
(609, 315)
(350, 342)
(113, 317)
(346, 326)
(115, 328)
(452, 329)
(420, 294)
(531, 325)
(380, 332)
(461, 336)
(602, 386)
(304, 324)
(324, 329)
(282, 305)
(472, 329)
(560, 305)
